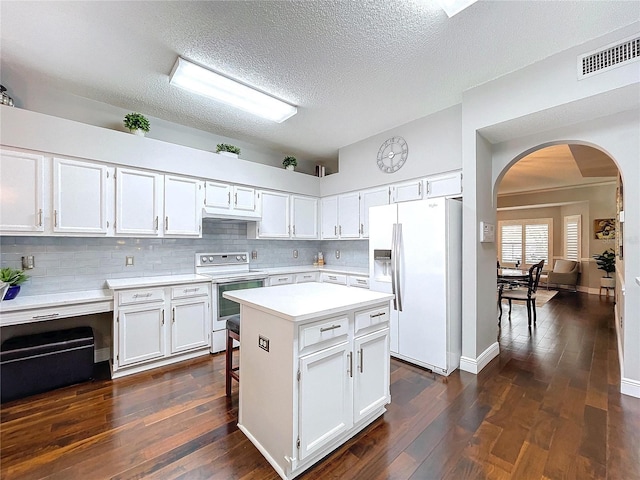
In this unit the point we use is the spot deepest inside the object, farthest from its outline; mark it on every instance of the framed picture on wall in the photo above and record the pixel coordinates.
(604, 228)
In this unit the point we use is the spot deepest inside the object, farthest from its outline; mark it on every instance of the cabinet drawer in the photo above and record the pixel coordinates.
(372, 319)
(130, 297)
(186, 291)
(326, 332)
(334, 278)
(362, 282)
(280, 280)
(306, 277)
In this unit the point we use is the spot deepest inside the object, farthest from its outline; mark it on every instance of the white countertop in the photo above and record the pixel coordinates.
(638, 280)
(55, 300)
(157, 281)
(304, 301)
(311, 268)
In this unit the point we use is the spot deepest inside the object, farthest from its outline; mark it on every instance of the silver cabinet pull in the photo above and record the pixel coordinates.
(374, 315)
(350, 364)
(229, 198)
(326, 329)
(163, 316)
(361, 355)
(236, 200)
(294, 230)
(43, 317)
(362, 229)
(335, 230)
(55, 218)
(40, 217)
(156, 223)
(340, 229)
(420, 189)
(142, 295)
(173, 315)
(331, 277)
(283, 279)
(166, 223)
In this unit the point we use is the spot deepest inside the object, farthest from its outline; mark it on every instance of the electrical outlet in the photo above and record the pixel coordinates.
(337, 253)
(28, 262)
(254, 255)
(263, 343)
(295, 254)
(128, 261)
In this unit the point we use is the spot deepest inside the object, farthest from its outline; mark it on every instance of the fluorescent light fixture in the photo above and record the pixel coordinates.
(451, 7)
(205, 82)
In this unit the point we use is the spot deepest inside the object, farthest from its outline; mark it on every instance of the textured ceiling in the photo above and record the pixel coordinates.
(354, 68)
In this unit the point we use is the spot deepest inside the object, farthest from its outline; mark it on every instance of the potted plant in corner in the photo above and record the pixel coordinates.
(14, 278)
(607, 261)
(290, 163)
(228, 150)
(137, 123)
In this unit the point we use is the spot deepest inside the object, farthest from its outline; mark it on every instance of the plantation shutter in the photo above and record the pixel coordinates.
(511, 243)
(536, 243)
(572, 238)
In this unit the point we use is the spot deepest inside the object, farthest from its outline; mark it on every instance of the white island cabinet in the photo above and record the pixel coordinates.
(314, 368)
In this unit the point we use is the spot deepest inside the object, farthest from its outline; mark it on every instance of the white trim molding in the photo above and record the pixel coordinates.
(630, 387)
(474, 365)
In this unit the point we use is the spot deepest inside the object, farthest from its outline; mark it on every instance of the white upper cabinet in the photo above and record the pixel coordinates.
(21, 192)
(182, 206)
(349, 215)
(230, 200)
(444, 185)
(244, 198)
(275, 215)
(368, 199)
(304, 217)
(405, 192)
(79, 197)
(218, 195)
(138, 202)
(329, 218)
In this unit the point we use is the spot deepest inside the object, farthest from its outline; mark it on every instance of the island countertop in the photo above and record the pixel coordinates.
(303, 301)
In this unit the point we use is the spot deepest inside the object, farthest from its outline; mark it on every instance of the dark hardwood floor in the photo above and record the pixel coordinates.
(548, 407)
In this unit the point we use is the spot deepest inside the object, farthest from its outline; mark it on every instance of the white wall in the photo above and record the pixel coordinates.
(434, 147)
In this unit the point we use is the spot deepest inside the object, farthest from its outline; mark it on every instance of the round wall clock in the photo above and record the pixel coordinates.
(392, 154)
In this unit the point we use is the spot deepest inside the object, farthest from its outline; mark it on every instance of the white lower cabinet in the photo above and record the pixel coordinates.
(160, 325)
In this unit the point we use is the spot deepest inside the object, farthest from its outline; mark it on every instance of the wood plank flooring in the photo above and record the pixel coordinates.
(548, 407)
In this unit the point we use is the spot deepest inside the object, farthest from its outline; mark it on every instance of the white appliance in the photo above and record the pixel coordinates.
(228, 271)
(415, 252)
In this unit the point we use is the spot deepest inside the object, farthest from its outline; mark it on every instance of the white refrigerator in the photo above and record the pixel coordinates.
(415, 252)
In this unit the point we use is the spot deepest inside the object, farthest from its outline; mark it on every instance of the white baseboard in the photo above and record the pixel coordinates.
(474, 365)
(101, 354)
(630, 387)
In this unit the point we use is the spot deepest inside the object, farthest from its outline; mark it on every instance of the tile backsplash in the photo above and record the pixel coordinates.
(65, 264)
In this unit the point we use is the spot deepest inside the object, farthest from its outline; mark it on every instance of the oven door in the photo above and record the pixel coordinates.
(227, 308)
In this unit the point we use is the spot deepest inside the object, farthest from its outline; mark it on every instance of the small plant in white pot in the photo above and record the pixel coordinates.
(607, 262)
(228, 150)
(290, 163)
(137, 123)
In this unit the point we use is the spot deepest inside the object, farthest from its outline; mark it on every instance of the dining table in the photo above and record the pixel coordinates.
(512, 274)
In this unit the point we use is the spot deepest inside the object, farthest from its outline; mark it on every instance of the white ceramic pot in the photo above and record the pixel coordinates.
(608, 282)
(138, 132)
(229, 154)
(290, 167)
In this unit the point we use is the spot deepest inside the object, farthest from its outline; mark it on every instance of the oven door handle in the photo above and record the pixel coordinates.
(227, 281)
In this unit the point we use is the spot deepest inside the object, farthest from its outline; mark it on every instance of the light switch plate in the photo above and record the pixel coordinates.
(128, 261)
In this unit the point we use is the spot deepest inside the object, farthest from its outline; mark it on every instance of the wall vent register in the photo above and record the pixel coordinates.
(611, 56)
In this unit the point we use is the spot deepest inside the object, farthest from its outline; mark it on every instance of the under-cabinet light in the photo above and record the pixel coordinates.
(451, 7)
(205, 82)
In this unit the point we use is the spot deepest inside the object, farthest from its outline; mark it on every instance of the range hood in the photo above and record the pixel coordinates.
(237, 215)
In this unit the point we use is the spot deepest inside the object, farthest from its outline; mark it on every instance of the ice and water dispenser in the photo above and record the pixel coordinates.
(382, 265)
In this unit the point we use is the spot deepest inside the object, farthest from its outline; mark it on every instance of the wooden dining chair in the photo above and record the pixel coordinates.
(526, 293)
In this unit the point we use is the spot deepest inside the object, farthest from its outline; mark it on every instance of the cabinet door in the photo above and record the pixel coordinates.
(244, 198)
(371, 373)
(349, 215)
(304, 217)
(329, 217)
(21, 192)
(404, 192)
(189, 324)
(141, 334)
(444, 185)
(275, 215)
(218, 195)
(325, 397)
(138, 202)
(368, 199)
(182, 206)
(79, 197)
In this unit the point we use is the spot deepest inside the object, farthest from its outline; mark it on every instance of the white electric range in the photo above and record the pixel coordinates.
(228, 271)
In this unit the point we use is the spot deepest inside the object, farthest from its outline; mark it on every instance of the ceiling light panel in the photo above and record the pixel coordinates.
(452, 7)
(197, 79)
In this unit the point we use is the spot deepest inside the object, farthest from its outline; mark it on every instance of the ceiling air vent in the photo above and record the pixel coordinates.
(609, 57)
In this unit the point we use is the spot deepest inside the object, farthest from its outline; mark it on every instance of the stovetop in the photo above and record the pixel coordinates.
(232, 266)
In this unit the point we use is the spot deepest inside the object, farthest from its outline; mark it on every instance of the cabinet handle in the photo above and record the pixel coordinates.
(173, 315)
(163, 316)
(335, 230)
(142, 295)
(362, 229)
(332, 327)
(331, 277)
(428, 188)
(229, 198)
(361, 355)
(187, 290)
(361, 281)
(420, 189)
(340, 229)
(166, 223)
(289, 230)
(283, 279)
(294, 230)
(55, 218)
(156, 223)
(42, 317)
(235, 204)
(40, 217)
(350, 364)
(374, 315)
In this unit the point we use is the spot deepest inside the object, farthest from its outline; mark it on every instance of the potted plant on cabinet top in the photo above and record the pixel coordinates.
(228, 150)
(290, 163)
(14, 278)
(137, 123)
(607, 262)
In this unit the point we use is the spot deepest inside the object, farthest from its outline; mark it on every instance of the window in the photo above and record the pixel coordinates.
(572, 237)
(525, 242)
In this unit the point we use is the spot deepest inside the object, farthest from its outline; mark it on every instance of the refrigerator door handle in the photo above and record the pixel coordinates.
(398, 243)
(393, 266)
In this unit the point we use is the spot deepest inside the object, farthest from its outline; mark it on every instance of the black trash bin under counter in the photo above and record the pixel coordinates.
(37, 363)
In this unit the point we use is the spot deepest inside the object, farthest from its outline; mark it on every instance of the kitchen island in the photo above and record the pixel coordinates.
(314, 368)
